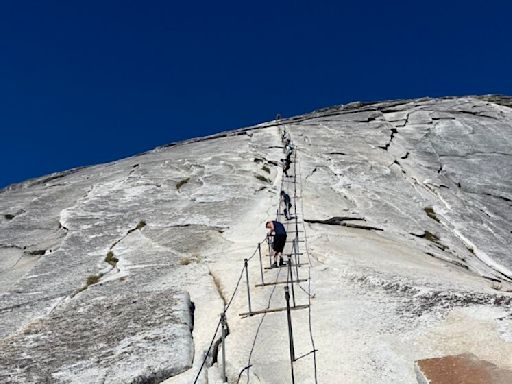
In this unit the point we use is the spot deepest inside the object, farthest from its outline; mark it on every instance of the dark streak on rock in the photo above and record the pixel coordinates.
(336, 220)
(37, 252)
(386, 147)
(432, 238)
(342, 221)
(313, 171)
(499, 197)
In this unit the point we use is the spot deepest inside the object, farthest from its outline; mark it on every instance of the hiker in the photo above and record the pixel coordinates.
(288, 151)
(286, 167)
(277, 229)
(287, 145)
(285, 198)
(289, 156)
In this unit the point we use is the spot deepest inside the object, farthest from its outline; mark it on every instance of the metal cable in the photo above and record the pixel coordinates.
(309, 277)
(258, 330)
(208, 352)
(223, 313)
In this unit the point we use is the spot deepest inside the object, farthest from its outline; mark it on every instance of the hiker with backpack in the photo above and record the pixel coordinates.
(285, 199)
(286, 167)
(279, 232)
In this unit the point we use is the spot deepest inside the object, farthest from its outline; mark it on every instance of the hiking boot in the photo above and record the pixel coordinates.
(281, 262)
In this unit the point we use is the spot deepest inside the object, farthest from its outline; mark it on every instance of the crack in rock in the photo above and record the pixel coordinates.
(336, 220)
(432, 238)
(342, 221)
(311, 173)
(386, 146)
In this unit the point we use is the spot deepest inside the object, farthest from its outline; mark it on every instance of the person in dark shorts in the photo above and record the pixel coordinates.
(286, 167)
(285, 198)
(279, 232)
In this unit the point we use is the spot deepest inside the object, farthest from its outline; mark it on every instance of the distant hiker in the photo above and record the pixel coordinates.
(287, 143)
(285, 198)
(286, 167)
(289, 156)
(288, 150)
(277, 229)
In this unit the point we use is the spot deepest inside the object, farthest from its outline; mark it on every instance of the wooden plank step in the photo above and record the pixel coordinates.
(272, 310)
(280, 282)
(284, 266)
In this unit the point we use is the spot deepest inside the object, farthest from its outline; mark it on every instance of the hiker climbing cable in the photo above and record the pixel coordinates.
(285, 199)
(286, 166)
(279, 232)
(288, 149)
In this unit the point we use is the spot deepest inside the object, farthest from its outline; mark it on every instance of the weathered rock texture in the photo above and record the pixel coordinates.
(117, 273)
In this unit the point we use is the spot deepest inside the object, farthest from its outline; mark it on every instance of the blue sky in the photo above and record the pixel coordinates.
(94, 81)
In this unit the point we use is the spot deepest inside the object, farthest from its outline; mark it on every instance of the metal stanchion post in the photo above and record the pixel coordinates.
(290, 331)
(269, 251)
(261, 264)
(223, 321)
(297, 259)
(295, 208)
(294, 250)
(246, 264)
(290, 274)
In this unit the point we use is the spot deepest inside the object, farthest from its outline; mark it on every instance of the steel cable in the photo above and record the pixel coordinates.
(309, 277)
(258, 330)
(207, 354)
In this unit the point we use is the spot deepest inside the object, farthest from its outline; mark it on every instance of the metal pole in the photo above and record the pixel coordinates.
(298, 253)
(295, 209)
(269, 251)
(290, 274)
(294, 250)
(223, 321)
(261, 264)
(246, 264)
(297, 261)
(290, 331)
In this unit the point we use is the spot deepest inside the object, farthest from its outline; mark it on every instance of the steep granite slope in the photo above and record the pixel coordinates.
(117, 273)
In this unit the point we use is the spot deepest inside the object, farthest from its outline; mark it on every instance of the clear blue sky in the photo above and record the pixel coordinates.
(93, 81)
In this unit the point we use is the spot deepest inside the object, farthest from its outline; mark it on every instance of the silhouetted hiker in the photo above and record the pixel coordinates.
(288, 148)
(285, 198)
(289, 156)
(288, 151)
(277, 229)
(287, 143)
(286, 167)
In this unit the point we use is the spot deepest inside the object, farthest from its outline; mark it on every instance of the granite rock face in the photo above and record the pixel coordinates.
(439, 170)
(71, 313)
(117, 273)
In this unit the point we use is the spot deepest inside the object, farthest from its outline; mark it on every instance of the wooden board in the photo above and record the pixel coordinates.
(272, 310)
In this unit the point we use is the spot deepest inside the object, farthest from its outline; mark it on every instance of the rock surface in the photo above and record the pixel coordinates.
(117, 273)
